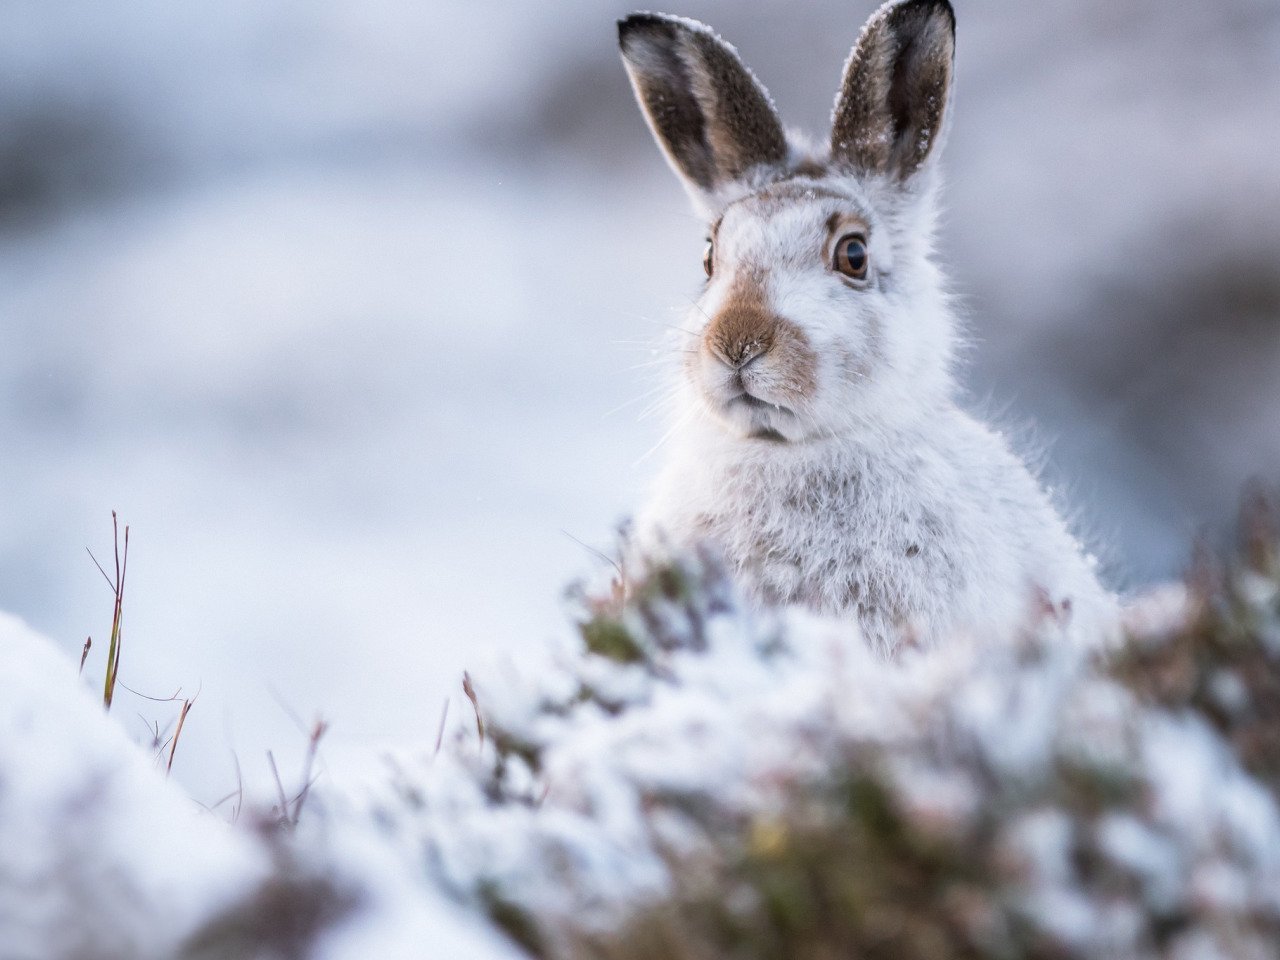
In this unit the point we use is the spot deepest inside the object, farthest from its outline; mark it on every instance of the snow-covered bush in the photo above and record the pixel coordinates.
(697, 780)
(689, 778)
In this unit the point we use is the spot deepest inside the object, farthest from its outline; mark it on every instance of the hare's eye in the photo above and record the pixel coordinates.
(851, 257)
(708, 258)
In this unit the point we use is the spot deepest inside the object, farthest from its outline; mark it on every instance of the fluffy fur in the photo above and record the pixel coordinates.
(820, 445)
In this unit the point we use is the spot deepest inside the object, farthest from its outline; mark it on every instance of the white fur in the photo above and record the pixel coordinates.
(831, 522)
(882, 499)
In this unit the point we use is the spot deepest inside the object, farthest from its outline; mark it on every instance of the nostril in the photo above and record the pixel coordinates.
(751, 356)
(741, 354)
(738, 335)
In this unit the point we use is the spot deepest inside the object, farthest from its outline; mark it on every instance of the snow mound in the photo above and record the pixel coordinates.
(100, 855)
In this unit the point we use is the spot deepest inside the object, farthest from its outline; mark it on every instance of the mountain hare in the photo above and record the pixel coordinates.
(820, 446)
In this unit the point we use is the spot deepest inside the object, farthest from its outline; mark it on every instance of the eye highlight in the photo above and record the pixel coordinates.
(708, 258)
(851, 256)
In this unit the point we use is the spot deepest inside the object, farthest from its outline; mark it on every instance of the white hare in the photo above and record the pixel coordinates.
(821, 447)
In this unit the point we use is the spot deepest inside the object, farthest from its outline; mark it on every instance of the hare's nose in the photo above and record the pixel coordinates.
(739, 337)
(743, 354)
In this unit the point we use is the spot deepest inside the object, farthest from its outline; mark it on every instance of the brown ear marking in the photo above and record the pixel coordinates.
(711, 116)
(892, 103)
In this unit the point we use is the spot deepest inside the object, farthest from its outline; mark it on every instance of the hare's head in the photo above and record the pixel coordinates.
(821, 311)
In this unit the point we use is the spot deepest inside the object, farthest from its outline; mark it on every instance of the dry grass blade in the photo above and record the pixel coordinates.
(154, 732)
(318, 730)
(444, 715)
(173, 743)
(290, 810)
(469, 689)
(284, 802)
(117, 588)
(235, 811)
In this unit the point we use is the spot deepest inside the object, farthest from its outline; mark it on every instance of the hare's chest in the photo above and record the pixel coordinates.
(839, 541)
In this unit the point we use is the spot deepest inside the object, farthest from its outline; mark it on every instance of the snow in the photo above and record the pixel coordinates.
(103, 857)
(97, 846)
(757, 704)
(1155, 859)
(397, 915)
(574, 810)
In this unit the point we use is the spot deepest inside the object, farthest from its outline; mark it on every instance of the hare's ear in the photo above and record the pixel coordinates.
(710, 115)
(892, 106)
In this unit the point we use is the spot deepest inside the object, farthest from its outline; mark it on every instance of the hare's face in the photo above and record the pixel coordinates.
(821, 311)
(803, 329)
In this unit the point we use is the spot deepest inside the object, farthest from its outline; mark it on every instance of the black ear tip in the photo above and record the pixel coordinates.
(948, 11)
(639, 25)
(926, 9)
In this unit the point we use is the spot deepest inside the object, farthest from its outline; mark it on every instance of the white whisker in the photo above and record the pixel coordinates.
(661, 388)
(675, 428)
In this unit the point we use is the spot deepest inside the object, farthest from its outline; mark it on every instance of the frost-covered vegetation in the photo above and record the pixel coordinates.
(686, 777)
(701, 782)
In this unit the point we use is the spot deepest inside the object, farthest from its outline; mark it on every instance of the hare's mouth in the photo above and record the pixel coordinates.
(752, 402)
(759, 419)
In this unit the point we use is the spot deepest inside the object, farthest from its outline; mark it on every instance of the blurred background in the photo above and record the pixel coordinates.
(350, 308)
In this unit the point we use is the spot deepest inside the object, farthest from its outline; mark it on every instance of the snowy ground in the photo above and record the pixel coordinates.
(690, 778)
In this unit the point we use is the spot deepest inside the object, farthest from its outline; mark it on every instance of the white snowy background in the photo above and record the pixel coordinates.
(346, 308)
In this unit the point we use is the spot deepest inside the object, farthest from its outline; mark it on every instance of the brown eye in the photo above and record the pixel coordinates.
(851, 256)
(708, 258)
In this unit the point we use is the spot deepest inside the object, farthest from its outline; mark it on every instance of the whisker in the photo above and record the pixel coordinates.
(646, 364)
(655, 407)
(646, 344)
(626, 403)
(671, 326)
(697, 306)
(679, 424)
